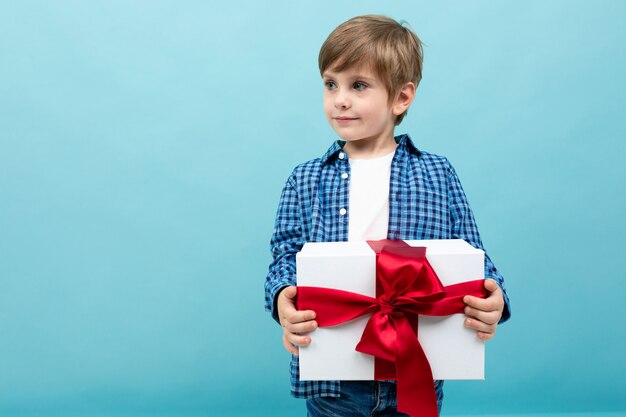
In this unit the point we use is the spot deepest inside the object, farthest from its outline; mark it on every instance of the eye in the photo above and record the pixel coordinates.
(359, 86)
(330, 85)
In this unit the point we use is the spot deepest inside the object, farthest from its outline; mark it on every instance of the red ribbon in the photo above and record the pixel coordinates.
(406, 285)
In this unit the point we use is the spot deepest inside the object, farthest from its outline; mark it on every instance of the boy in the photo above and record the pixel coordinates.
(369, 186)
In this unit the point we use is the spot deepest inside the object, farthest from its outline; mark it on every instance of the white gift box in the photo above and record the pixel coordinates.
(453, 351)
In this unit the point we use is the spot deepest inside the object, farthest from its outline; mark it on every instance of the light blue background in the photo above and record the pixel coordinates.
(143, 147)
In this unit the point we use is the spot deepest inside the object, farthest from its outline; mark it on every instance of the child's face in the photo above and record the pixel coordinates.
(356, 104)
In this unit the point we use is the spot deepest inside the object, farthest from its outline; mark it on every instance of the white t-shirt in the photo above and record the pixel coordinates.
(369, 197)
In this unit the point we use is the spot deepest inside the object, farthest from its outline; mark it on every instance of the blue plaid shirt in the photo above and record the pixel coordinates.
(426, 201)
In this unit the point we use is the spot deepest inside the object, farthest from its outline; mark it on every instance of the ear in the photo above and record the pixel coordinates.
(404, 99)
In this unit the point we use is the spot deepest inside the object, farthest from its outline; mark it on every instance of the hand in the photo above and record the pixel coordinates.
(295, 323)
(483, 314)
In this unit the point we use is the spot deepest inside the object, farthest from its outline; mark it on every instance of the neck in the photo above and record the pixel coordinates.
(368, 149)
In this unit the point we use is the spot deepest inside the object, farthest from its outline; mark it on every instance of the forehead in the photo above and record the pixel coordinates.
(355, 71)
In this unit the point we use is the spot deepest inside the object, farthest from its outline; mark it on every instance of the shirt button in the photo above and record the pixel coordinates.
(342, 155)
(344, 175)
(343, 211)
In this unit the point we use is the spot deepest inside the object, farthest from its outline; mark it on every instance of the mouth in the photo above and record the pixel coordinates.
(344, 119)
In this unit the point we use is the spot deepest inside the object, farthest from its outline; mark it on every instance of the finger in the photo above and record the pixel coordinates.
(303, 327)
(495, 293)
(491, 285)
(489, 317)
(490, 303)
(286, 300)
(290, 347)
(298, 340)
(295, 316)
(477, 303)
(290, 292)
(485, 336)
(493, 289)
(479, 326)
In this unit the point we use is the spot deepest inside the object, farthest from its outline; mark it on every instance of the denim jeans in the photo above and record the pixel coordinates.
(359, 399)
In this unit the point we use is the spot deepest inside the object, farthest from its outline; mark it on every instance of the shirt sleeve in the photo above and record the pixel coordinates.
(286, 242)
(464, 227)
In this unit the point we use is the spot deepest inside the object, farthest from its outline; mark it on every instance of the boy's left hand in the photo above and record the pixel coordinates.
(483, 314)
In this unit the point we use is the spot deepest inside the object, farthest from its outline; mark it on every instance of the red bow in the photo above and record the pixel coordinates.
(406, 285)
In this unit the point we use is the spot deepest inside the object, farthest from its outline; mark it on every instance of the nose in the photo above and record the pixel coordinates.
(342, 99)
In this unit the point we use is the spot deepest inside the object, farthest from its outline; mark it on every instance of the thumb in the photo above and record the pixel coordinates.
(491, 285)
(290, 292)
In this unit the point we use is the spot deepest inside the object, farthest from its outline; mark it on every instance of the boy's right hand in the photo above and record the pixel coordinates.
(295, 323)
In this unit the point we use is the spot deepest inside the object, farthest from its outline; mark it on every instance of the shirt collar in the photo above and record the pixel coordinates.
(404, 141)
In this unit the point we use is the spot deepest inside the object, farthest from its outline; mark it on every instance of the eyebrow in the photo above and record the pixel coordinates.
(357, 76)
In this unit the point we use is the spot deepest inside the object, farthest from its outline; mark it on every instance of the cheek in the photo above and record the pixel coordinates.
(327, 105)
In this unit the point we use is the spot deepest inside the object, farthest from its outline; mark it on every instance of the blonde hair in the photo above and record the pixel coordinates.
(392, 50)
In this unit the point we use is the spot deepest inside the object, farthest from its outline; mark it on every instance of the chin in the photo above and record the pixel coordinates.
(348, 137)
